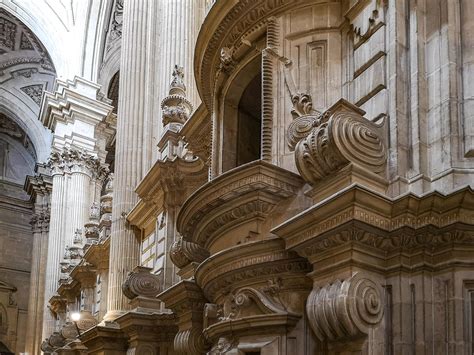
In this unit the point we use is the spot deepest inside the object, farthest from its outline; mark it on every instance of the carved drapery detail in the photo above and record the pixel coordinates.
(175, 107)
(183, 253)
(345, 308)
(140, 282)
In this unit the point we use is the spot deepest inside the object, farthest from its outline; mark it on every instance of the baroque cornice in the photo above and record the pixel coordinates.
(358, 204)
(235, 266)
(167, 183)
(248, 192)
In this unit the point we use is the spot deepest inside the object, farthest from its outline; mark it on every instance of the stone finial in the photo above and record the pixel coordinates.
(175, 107)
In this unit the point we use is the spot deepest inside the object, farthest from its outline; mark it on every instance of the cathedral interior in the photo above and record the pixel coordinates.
(244, 177)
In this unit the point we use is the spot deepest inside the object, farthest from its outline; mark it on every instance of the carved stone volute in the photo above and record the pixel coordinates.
(345, 309)
(183, 253)
(140, 282)
(340, 136)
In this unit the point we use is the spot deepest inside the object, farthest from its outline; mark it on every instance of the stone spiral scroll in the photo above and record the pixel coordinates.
(190, 342)
(325, 144)
(140, 282)
(183, 253)
(345, 309)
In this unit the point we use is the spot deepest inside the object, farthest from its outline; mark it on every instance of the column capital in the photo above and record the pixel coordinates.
(70, 160)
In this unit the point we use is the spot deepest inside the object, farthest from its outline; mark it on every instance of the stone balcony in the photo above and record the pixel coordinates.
(234, 208)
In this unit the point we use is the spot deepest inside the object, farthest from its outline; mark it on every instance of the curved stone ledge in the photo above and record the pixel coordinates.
(242, 197)
(260, 324)
(255, 264)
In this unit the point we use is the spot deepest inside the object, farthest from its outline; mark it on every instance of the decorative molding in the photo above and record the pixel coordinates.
(268, 69)
(345, 309)
(357, 204)
(262, 260)
(114, 32)
(35, 92)
(247, 192)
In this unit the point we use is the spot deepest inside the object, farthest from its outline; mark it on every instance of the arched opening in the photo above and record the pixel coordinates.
(249, 122)
(242, 118)
(113, 90)
(113, 94)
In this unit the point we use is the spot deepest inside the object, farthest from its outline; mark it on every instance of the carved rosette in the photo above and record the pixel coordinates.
(140, 282)
(340, 136)
(175, 107)
(345, 308)
(182, 253)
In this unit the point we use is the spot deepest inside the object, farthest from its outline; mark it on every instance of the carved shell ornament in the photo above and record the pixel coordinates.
(345, 308)
(326, 143)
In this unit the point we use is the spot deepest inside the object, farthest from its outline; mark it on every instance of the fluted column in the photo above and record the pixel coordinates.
(55, 246)
(179, 27)
(36, 295)
(124, 244)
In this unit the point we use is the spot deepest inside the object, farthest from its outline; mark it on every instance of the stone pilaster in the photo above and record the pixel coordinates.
(55, 247)
(129, 162)
(39, 188)
(180, 23)
(78, 167)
